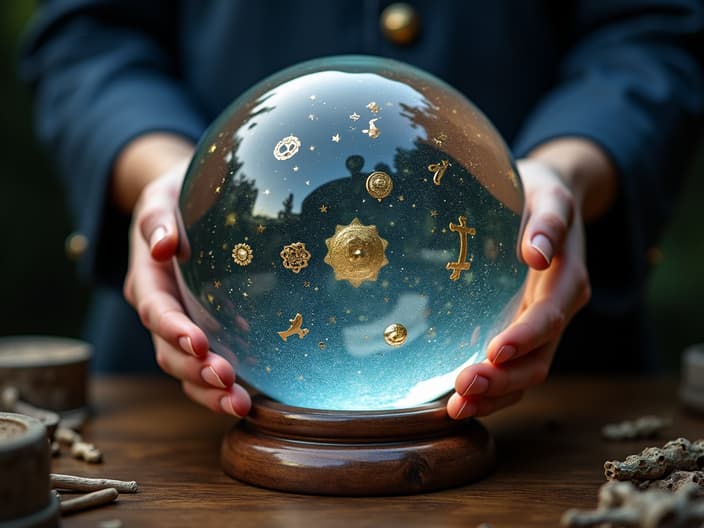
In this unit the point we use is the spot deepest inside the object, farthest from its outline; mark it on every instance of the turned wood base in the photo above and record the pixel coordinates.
(356, 453)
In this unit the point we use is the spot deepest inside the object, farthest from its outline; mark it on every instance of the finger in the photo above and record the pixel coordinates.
(158, 225)
(459, 407)
(551, 209)
(540, 323)
(486, 379)
(211, 370)
(235, 401)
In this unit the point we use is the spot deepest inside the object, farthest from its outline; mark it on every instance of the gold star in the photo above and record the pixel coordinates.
(306, 284)
(323, 208)
(401, 198)
(433, 212)
(231, 219)
(332, 320)
(217, 284)
(336, 138)
(261, 228)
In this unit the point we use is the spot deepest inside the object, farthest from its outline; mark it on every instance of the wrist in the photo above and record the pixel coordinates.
(142, 161)
(585, 169)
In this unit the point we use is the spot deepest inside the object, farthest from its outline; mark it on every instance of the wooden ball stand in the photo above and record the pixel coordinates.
(356, 453)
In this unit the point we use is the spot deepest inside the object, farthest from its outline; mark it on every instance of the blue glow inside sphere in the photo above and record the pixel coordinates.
(352, 227)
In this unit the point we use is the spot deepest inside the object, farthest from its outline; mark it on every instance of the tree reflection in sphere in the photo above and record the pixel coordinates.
(351, 225)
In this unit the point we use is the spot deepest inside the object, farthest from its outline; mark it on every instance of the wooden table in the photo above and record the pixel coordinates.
(550, 458)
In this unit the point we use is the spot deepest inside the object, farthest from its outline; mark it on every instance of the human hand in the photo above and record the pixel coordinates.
(150, 287)
(556, 288)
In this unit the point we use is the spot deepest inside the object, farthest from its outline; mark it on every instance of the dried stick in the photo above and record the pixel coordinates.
(89, 500)
(72, 482)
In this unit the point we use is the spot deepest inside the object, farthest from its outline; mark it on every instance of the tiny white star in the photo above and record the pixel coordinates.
(336, 138)
(354, 116)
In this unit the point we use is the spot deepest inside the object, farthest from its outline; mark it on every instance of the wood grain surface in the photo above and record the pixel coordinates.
(549, 449)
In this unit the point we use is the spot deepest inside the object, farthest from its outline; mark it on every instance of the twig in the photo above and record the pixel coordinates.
(89, 500)
(72, 482)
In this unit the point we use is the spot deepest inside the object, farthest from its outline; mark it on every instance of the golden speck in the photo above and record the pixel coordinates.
(336, 138)
(323, 208)
(300, 378)
(217, 284)
(306, 284)
(395, 334)
(213, 148)
(384, 283)
(217, 190)
(322, 345)
(354, 116)
(211, 298)
(443, 230)
(401, 198)
(386, 300)
(332, 320)
(260, 228)
(268, 369)
(433, 212)
(373, 107)
(245, 294)
(231, 219)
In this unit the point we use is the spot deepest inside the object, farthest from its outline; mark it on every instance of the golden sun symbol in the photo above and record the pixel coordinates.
(242, 254)
(356, 253)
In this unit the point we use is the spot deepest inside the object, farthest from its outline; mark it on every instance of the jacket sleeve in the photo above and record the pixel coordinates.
(632, 82)
(103, 72)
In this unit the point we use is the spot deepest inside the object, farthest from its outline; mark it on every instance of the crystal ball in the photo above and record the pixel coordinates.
(351, 226)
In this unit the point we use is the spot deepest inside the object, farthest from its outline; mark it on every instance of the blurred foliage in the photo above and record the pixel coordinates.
(41, 293)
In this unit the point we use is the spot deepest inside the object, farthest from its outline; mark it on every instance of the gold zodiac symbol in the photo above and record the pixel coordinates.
(295, 256)
(461, 265)
(379, 185)
(438, 170)
(373, 132)
(295, 328)
(356, 253)
(287, 148)
(395, 334)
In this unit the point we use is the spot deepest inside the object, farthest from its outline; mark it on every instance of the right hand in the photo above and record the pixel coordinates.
(150, 287)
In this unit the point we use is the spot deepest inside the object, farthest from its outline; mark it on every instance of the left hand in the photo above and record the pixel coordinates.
(556, 288)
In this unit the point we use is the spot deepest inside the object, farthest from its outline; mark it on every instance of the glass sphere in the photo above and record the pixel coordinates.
(351, 225)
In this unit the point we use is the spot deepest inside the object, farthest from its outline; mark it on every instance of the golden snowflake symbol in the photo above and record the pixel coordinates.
(295, 256)
(242, 254)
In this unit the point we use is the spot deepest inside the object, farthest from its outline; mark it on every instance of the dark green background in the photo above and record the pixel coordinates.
(42, 295)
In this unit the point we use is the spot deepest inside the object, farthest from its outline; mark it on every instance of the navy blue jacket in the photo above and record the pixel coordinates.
(626, 74)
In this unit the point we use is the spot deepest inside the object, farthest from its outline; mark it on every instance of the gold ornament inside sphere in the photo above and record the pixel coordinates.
(395, 334)
(379, 185)
(356, 253)
(242, 254)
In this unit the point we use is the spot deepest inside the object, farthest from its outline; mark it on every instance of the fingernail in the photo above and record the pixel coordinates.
(226, 404)
(211, 377)
(479, 385)
(185, 343)
(157, 235)
(470, 409)
(542, 245)
(506, 352)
